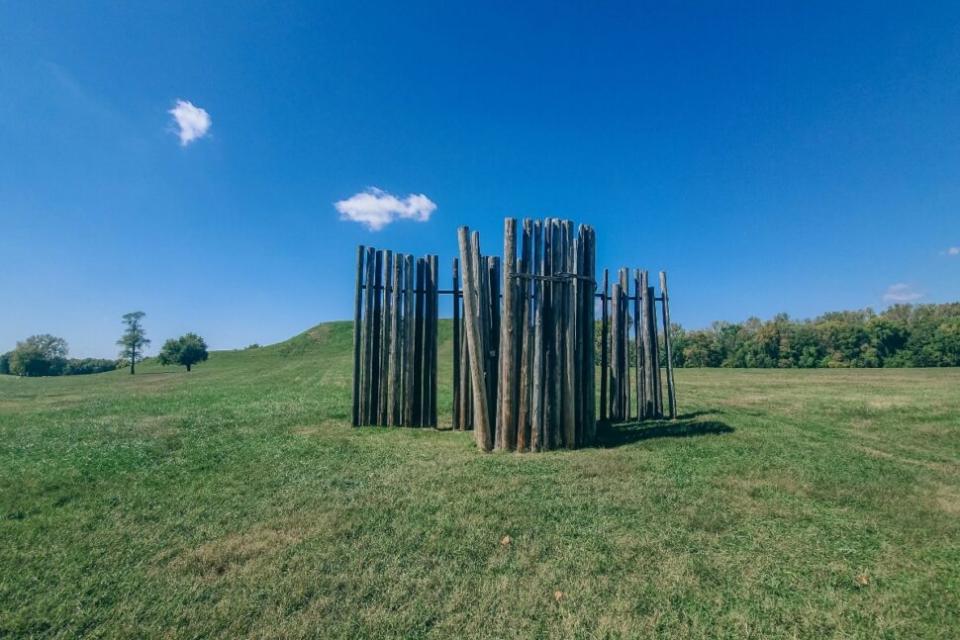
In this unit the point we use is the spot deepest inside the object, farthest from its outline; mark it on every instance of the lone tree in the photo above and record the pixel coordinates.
(40, 355)
(133, 340)
(187, 350)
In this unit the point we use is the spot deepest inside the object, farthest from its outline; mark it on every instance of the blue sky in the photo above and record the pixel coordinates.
(798, 157)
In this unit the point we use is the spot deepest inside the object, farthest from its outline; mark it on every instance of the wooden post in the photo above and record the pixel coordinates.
(604, 341)
(615, 315)
(377, 338)
(368, 360)
(507, 423)
(392, 360)
(418, 345)
(655, 355)
(537, 371)
(638, 339)
(525, 339)
(569, 341)
(434, 317)
(357, 344)
(409, 340)
(648, 362)
(385, 323)
(671, 388)
(456, 424)
(472, 300)
(590, 399)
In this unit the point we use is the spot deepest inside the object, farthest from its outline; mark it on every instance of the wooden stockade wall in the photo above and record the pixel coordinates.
(395, 339)
(524, 361)
(526, 355)
(633, 387)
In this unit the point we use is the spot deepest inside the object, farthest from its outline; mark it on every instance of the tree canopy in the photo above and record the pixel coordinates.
(134, 339)
(39, 355)
(187, 350)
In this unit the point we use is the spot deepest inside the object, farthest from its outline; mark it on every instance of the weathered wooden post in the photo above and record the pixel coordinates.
(472, 301)
(671, 390)
(525, 339)
(507, 420)
(409, 340)
(604, 349)
(357, 344)
(456, 424)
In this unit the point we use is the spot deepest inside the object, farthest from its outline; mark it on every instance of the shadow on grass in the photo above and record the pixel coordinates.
(611, 435)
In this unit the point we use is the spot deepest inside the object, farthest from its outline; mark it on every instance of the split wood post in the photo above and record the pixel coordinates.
(357, 344)
(377, 330)
(615, 352)
(434, 326)
(525, 339)
(568, 331)
(625, 329)
(392, 359)
(655, 355)
(590, 368)
(671, 389)
(472, 301)
(536, 373)
(648, 362)
(456, 344)
(638, 338)
(507, 423)
(385, 322)
(604, 349)
(366, 381)
(409, 339)
(418, 346)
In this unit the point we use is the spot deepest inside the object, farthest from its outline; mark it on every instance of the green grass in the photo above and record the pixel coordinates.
(236, 501)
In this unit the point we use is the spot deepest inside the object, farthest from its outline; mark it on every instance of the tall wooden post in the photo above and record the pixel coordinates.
(507, 421)
(357, 344)
(671, 389)
(456, 344)
(409, 341)
(604, 341)
(366, 397)
(472, 300)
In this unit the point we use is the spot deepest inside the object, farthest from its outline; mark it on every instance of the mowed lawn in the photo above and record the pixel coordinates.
(236, 501)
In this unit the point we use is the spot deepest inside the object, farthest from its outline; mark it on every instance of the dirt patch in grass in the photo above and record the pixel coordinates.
(232, 552)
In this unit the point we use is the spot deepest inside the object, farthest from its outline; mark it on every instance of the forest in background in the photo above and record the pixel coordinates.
(926, 335)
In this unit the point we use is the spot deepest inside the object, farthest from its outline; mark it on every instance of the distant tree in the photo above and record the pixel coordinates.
(40, 355)
(5, 363)
(133, 340)
(187, 350)
(85, 366)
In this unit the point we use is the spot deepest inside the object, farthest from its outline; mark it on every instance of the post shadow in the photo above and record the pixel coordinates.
(610, 435)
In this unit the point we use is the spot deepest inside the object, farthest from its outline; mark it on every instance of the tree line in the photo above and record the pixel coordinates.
(901, 336)
(46, 355)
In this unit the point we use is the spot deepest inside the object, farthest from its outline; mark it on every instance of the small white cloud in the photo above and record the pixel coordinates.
(376, 208)
(900, 292)
(953, 251)
(192, 121)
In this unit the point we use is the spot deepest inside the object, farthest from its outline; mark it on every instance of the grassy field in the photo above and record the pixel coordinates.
(236, 501)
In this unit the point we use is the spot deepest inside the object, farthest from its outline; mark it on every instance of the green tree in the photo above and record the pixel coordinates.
(4, 363)
(133, 340)
(187, 350)
(40, 355)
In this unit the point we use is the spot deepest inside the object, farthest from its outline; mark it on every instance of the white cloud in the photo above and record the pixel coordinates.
(953, 251)
(193, 121)
(901, 292)
(376, 208)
